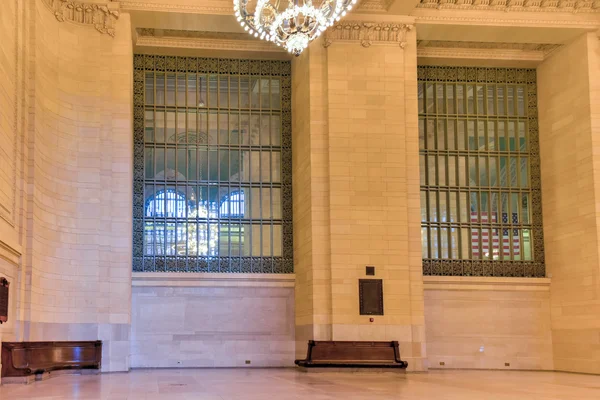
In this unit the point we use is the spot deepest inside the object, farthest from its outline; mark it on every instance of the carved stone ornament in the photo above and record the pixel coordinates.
(575, 6)
(100, 16)
(367, 33)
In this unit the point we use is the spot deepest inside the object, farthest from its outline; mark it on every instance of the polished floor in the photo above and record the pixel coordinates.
(282, 384)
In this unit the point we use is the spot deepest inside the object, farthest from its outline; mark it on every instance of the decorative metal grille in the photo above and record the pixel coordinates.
(212, 165)
(481, 211)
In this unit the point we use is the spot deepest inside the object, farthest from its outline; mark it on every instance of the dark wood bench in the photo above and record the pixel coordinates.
(23, 359)
(334, 354)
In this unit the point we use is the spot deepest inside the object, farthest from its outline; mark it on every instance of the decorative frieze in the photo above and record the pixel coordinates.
(368, 33)
(515, 5)
(101, 16)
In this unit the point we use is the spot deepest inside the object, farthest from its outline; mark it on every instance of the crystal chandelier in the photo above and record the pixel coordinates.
(293, 27)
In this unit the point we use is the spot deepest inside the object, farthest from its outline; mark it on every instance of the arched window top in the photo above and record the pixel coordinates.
(166, 203)
(232, 206)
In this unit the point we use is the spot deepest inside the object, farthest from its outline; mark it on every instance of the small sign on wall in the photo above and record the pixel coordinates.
(3, 300)
(370, 293)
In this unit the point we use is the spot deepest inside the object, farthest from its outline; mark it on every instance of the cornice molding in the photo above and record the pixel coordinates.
(10, 254)
(148, 37)
(428, 16)
(101, 16)
(368, 33)
(207, 7)
(575, 6)
(480, 54)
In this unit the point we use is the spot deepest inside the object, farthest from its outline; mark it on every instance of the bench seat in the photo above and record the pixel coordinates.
(346, 354)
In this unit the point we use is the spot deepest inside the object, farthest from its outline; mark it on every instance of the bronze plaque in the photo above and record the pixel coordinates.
(370, 293)
(3, 300)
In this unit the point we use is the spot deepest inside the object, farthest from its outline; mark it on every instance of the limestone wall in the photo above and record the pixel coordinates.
(486, 323)
(569, 106)
(216, 320)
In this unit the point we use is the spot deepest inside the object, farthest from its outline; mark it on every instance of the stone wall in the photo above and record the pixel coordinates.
(569, 110)
(67, 237)
(217, 320)
(484, 323)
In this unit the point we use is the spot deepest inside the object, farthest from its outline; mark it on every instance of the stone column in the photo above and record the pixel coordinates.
(569, 112)
(357, 185)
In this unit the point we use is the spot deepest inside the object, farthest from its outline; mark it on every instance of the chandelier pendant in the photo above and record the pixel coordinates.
(293, 27)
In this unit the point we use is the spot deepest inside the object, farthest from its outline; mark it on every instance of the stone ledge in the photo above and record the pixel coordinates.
(485, 283)
(207, 279)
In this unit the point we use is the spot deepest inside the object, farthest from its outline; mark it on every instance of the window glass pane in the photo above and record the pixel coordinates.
(275, 94)
(181, 90)
(429, 98)
(490, 100)
(450, 135)
(433, 213)
(520, 101)
(510, 96)
(421, 133)
(424, 243)
(470, 99)
(451, 171)
(444, 245)
(460, 99)
(149, 88)
(442, 170)
(453, 206)
(430, 137)
(149, 162)
(483, 171)
(434, 243)
(192, 90)
(454, 243)
(501, 99)
(424, 206)
(421, 97)
(171, 93)
(450, 99)
(223, 92)
(423, 169)
(522, 136)
(160, 88)
(441, 106)
(431, 165)
(525, 208)
(480, 100)
(464, 207)
(443, 206)
(170, 128)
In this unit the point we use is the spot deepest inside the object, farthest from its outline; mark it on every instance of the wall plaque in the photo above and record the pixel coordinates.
(3, 300)
(370, 293)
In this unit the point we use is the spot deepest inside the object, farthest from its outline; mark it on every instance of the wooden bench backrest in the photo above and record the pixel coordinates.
(323, 351)
(35, 356)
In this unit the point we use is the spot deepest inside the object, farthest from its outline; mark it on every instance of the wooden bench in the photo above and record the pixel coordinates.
(26, 359)
(334, 354)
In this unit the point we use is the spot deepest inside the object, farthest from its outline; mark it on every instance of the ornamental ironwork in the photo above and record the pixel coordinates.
(212, 189)
(481, 207)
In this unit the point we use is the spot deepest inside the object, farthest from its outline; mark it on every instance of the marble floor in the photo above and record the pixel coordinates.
(283, 384)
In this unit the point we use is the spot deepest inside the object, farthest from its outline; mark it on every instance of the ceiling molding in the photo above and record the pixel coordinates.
(565, 6)
(147, 37)
(101, 16)
(485, 50)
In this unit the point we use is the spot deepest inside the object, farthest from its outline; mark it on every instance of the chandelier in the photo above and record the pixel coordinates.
(293, 27)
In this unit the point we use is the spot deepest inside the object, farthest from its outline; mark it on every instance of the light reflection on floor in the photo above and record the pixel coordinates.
(282, 384)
